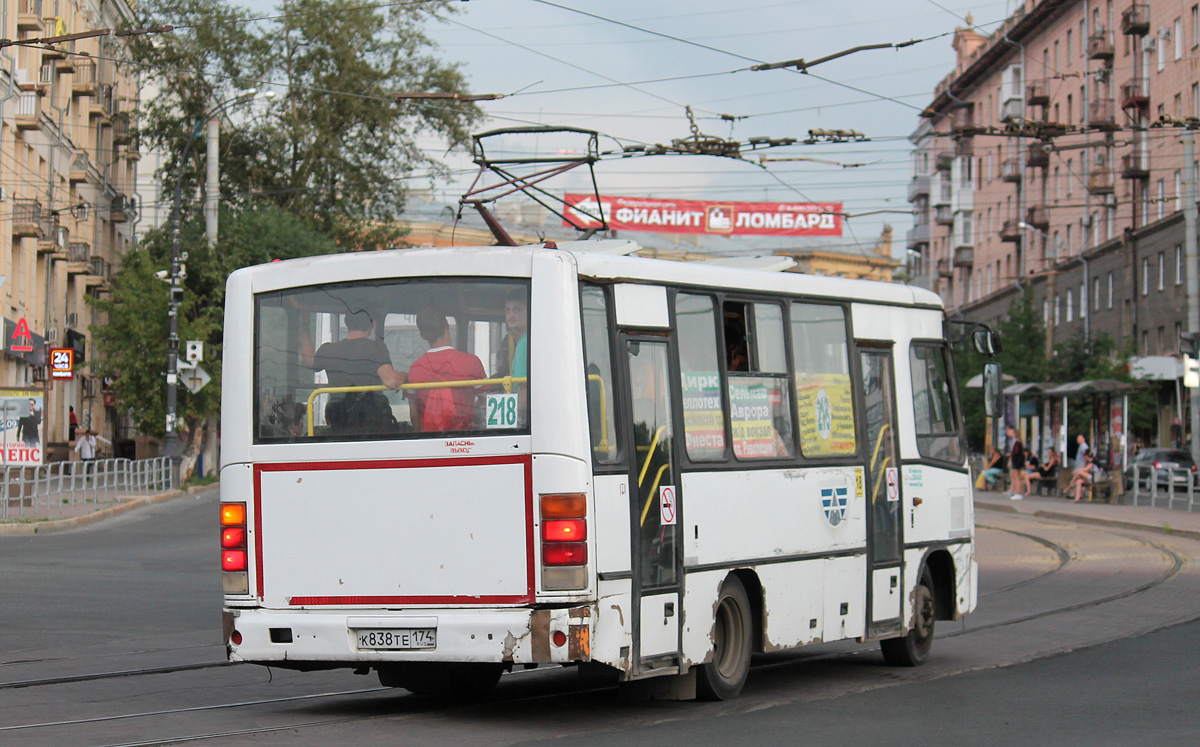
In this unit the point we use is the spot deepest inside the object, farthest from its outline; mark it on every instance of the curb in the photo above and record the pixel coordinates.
(61, 525)
(1063, 516)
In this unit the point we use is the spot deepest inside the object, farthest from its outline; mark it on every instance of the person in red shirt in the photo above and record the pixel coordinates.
(442, 408)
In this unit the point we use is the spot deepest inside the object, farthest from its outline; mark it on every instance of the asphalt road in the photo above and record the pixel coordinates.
(111, 635)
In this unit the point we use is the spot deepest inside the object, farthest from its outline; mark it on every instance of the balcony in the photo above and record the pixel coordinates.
(104, 102)
(1038, 216)
(1135, 19)
(943, 215)
(918, 236)
(1100, 182)
(962, 122)
(1010, 230)
(55, 242)
(1135, 94)
(122, 209)
(1038, 155)
(964, 145)
(1101, 114)
(60, 51)
(1010, 170)
(124, 128)
(29, 15)
(943, 160)
(917, 187)
(86, 80)
(1012, 110)
(1135, 165)
(1036, 93)
(99, 267)
(1100, 45)
(944, 270)
(79, 251)
(964, 255)
(79, 168)
(28, 220)
(28, 110)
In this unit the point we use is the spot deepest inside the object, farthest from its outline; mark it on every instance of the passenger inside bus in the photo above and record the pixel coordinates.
(443, 408)
(358, 359)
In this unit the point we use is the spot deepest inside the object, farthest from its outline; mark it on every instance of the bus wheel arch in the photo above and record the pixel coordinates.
(940, 565)
(733, 636)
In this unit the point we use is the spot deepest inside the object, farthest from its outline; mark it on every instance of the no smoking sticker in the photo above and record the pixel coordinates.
(893, 484)
(666, 504)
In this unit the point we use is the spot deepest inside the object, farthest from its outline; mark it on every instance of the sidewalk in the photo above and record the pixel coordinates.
(1163, 520)
(70, 516)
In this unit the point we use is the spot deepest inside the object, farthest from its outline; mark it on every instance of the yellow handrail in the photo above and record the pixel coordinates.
(650, 454)
(507, 381)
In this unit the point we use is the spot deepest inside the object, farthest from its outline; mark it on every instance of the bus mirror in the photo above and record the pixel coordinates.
(993, 390)
(986, 342)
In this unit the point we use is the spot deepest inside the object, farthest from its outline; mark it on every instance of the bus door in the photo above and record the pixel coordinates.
(654, 506)
(884, 582)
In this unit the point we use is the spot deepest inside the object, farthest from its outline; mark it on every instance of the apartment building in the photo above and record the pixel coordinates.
(68, 161)
(1042, 162)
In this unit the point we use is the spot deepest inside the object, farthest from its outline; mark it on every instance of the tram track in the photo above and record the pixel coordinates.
(1174, 562)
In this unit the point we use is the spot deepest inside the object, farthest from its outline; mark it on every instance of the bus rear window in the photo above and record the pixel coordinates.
(391, 359)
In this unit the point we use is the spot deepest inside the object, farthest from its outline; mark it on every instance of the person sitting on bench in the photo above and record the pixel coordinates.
(995, 469)
(1045, 474)
(1084, 476)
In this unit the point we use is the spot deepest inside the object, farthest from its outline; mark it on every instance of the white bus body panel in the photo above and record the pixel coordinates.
(458, 532)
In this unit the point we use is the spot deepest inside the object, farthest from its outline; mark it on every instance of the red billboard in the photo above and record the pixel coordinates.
(703, 217)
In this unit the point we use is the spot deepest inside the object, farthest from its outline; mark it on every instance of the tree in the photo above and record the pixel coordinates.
(132, 346)
(333, 145)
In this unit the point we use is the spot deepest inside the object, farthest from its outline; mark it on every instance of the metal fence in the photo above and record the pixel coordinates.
(1165, 486)
(62, 487)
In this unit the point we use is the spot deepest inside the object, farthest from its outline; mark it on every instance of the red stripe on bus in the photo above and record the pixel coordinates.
(526, 460)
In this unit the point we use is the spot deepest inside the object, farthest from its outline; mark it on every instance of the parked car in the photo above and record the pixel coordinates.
(1169, 465)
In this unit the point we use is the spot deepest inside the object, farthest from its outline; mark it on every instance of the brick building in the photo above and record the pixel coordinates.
(1036, 163)
(68, 157)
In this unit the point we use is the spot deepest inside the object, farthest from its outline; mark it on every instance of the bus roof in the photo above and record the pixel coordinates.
(603, 262)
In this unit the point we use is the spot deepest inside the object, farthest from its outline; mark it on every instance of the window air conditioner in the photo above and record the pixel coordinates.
(72, 320)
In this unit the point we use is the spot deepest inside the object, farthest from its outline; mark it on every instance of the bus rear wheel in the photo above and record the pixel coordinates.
(442, 679)
(724, 676)
(912, 649)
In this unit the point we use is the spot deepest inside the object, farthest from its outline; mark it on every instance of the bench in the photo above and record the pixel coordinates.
(1047, 485)
(1105, 489)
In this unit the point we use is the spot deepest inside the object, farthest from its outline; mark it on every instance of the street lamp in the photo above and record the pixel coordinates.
(171, 446)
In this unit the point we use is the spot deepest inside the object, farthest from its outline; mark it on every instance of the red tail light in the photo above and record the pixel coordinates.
(1193, 468)
(233, 548)
(233, 560)
(564, 553)
(233, 537)
(564, 530)
(1157, 464)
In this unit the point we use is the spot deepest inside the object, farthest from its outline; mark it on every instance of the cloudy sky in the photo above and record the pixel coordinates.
(630, 70)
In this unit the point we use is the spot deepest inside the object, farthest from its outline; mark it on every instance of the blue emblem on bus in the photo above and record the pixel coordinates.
(833, 500)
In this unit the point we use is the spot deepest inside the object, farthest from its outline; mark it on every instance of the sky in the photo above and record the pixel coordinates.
(629, 70)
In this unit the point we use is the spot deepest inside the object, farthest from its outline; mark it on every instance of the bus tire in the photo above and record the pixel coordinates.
(724, 676)
(912, 648)
(442, 679)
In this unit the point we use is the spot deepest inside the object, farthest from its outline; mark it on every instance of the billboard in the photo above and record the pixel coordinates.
(711, 218)
(21, 427)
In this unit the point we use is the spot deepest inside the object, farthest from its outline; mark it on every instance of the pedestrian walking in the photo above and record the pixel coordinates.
(85, 447)
(72, 423)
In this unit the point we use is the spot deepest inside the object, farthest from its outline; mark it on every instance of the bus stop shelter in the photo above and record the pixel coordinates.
(1108, 430)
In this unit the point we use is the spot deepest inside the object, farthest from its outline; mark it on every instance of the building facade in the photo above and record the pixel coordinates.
(68, 160)
(1052, 157)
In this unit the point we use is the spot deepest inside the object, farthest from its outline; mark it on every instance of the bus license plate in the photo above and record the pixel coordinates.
(397, 639)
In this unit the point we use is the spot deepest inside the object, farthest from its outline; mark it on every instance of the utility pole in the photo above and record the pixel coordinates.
(212, 184)
(1193, 271)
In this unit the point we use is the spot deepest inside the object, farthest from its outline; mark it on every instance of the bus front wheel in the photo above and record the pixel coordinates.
(912, 649)
(724, 676)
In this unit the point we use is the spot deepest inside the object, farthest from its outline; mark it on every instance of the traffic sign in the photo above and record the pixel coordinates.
(194, 379)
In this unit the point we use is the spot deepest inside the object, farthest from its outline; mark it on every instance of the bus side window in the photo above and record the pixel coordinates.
(597, 348)
(700, 378)
(933, 403)
(760, 411)
(824, 398)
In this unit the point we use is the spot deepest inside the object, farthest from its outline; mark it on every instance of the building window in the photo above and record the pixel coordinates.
(1083, 304)
(1046, 312)
(1057, 309)
(1195, 26)
(1057, 184)
(1178, 104)
(1161, 201)
(1145, 277)
(1162, 271)
(1070, 241)
(1110, 290)
(1196, 99)
(1096, 294)
(1178, 190)
(1145, 342)
(1178, 33)
(1070, 306)
(1069, 55)
(1178, 265)
(1070, 173)
(1070, 111)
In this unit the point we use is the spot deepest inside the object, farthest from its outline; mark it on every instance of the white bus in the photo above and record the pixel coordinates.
(677, 465)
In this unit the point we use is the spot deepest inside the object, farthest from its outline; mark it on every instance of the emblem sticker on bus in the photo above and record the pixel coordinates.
(502, 410)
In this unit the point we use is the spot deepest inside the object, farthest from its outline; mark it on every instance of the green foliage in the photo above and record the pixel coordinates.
(132, 346)
(332, 145)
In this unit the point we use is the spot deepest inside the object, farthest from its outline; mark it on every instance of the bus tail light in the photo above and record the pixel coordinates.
(235, 576)
(564, 541)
